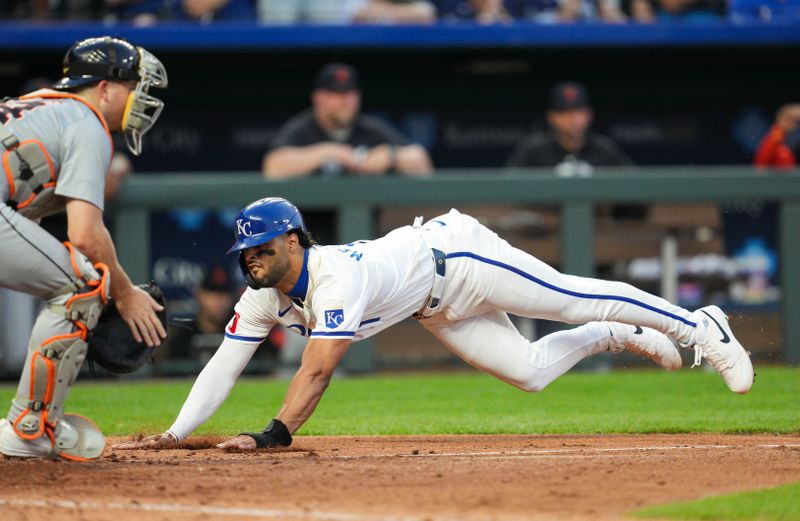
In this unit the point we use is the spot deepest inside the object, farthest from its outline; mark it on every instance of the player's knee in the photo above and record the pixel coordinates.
(82, 300)
(532, 386)
(532, 383)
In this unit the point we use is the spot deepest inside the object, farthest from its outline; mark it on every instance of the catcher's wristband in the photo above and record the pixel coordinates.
(276, 434)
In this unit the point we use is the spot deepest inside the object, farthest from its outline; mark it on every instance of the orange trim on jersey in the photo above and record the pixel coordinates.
(52, 94)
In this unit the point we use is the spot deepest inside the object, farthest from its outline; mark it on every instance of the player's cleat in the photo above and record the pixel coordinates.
(645, 342)
(78, 439)
(715, 342)
(12, 445)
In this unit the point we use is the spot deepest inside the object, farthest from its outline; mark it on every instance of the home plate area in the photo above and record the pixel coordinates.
(400, 478)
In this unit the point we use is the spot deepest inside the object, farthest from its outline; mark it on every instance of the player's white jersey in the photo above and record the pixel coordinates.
(354, 291)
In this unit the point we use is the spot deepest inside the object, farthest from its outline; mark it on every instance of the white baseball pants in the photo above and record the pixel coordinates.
(487, 278)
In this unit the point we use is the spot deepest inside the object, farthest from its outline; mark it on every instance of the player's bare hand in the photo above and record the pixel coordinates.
(138, 310)
(241, 442)
(165, 440)
(789, 117)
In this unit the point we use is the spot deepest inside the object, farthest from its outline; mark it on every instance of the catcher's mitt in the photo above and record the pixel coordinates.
(111, 344)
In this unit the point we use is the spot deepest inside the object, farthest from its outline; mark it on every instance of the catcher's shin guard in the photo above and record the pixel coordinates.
(53, 365)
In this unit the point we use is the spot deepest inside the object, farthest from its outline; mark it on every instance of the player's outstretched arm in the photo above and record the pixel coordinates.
(320, 359)
(210, 390)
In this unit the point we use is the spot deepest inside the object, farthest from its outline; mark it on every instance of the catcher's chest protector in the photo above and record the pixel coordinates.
(28, 166)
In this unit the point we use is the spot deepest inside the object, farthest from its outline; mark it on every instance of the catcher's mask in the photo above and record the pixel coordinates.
(260, 222)
(109, 58)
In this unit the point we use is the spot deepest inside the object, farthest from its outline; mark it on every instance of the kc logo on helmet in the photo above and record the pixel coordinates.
(243, 227)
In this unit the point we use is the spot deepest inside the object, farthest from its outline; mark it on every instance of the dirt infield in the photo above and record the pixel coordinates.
(364, 478)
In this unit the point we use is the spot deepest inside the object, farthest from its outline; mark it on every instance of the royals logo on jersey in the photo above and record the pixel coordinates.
(334, 318)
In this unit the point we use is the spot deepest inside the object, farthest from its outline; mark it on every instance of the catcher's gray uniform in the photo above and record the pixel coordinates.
(63, 151)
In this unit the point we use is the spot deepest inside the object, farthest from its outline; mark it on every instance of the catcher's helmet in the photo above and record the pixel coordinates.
(95, 59)
(108, 58)
(260, 222)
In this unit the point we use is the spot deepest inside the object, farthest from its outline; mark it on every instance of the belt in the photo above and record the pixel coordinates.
(437, 288)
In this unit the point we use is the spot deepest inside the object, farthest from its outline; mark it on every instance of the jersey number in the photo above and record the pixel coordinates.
(16, 108)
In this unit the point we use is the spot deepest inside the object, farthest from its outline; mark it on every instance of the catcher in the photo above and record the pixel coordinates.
(455, 276)
(56, 146)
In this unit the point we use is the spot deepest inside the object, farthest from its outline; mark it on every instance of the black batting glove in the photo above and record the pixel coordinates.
(275, 434)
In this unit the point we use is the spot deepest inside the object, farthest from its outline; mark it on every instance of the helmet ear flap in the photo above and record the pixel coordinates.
(251, 282)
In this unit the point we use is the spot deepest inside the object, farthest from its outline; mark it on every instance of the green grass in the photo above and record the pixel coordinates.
(774, 504)
(626, 401)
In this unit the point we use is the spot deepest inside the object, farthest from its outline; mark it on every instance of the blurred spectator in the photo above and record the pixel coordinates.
(571, 148)
(587, 11)
(199, 337)
(148, 12)
(22, 9)
(542, 11)
(334, 138)
(396, 11)
(305, 11)
(773, 151)
(204, 331)
(751, 227)
(671, 11)
(568, 145)
(210, 10)
(748, 11)
(50, 9)
(482, 11)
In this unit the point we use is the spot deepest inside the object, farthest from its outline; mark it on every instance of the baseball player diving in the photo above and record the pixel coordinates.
(56, 147)
(455, 276)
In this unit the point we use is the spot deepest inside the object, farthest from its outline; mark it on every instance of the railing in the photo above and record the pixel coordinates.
(355, 198)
